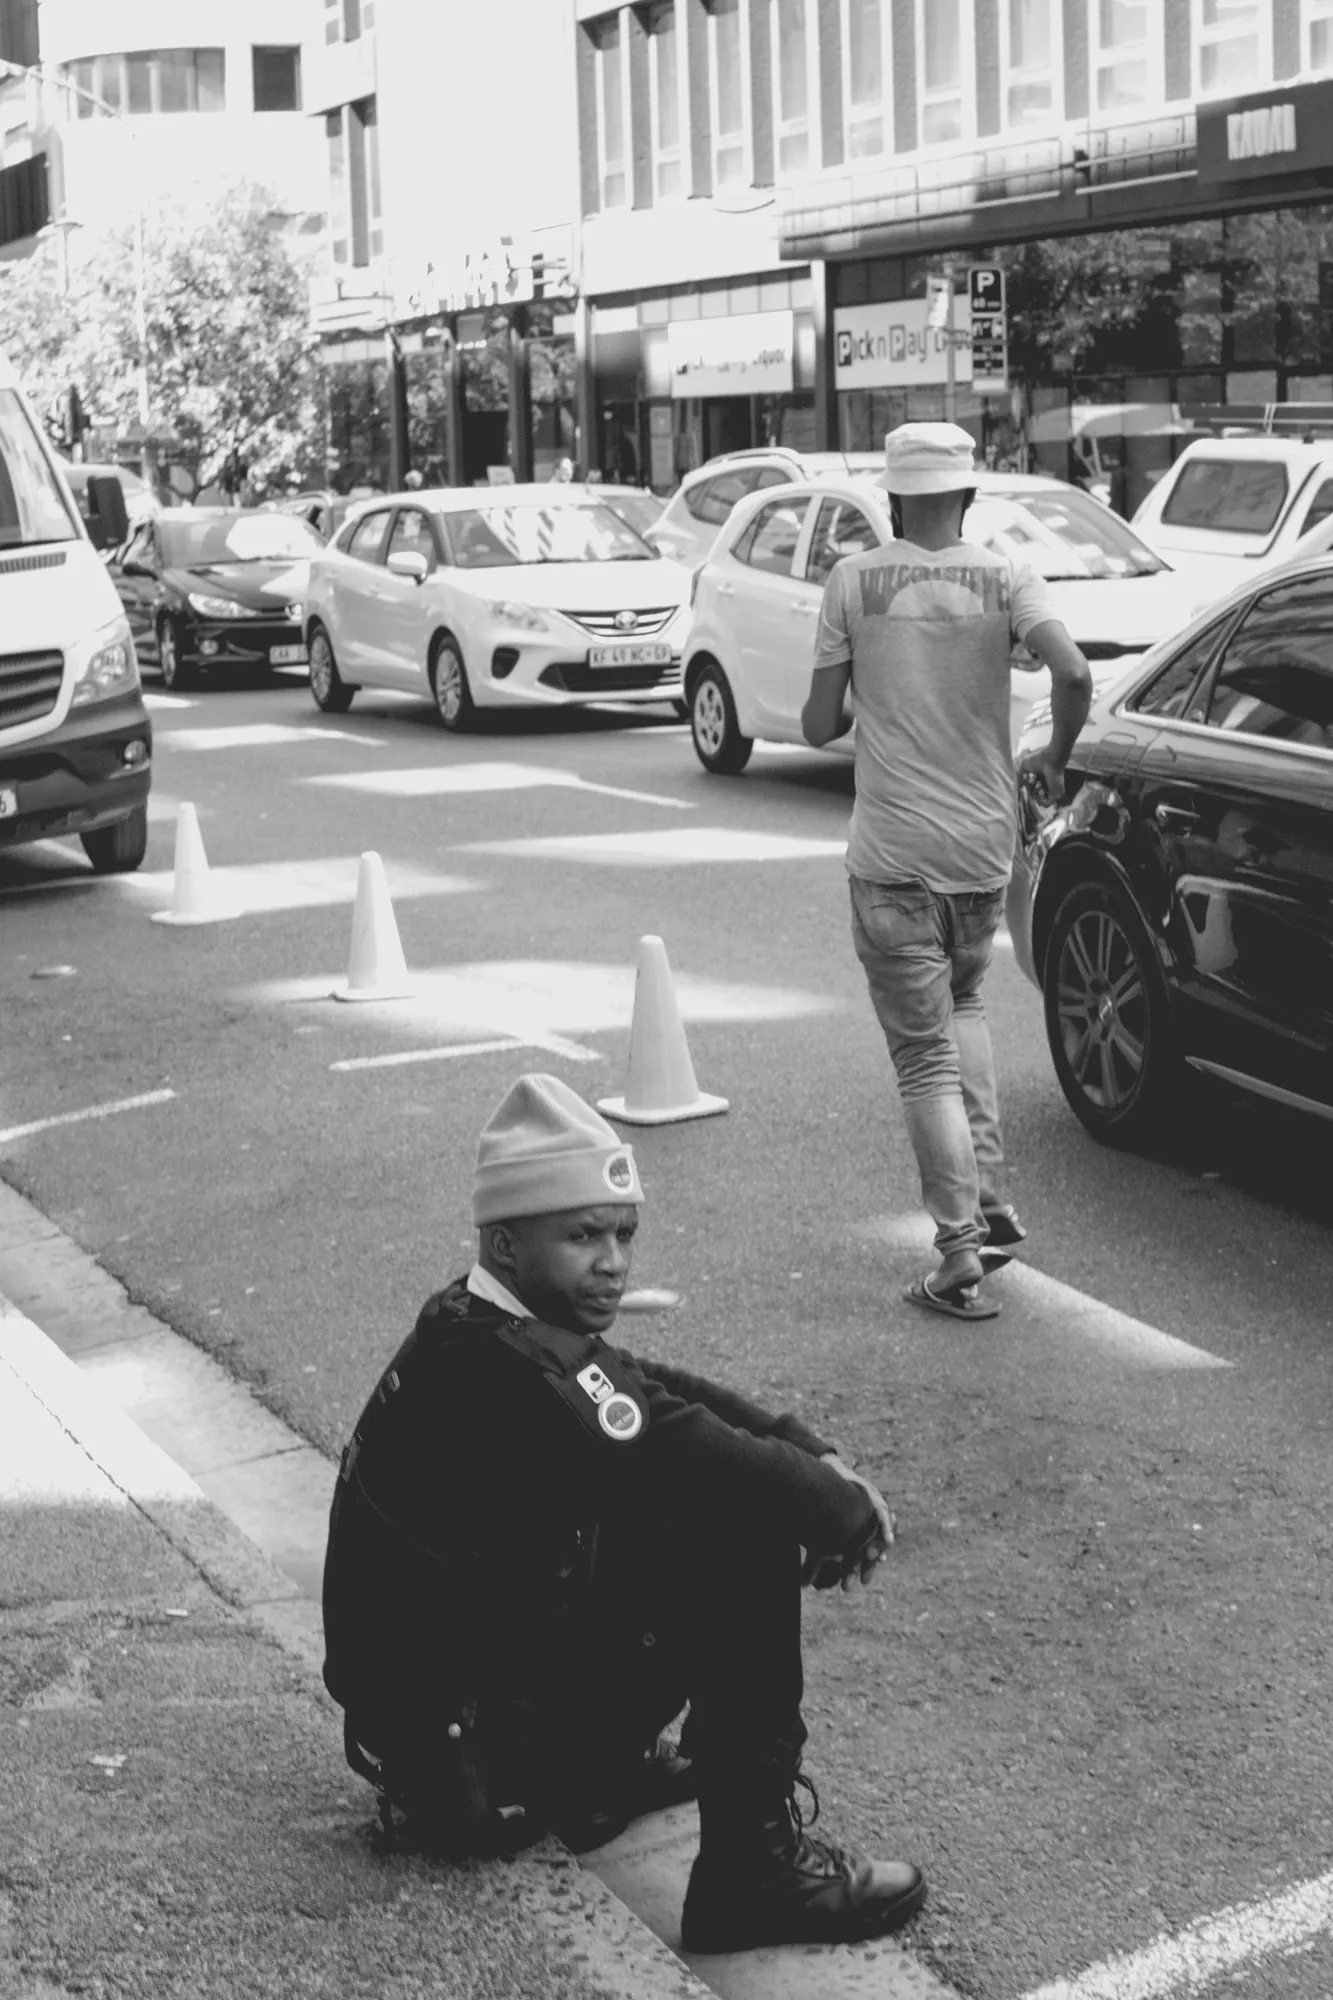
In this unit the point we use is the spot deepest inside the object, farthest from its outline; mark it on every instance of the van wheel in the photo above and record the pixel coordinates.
(327, 685)
(718, 742)
(454, 705)
(176, 672)
(118, 849)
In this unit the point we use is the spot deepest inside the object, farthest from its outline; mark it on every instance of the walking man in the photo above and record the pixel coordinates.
(922, 630)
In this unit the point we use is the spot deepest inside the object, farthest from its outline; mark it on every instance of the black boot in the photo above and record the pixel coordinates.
(760, 1878)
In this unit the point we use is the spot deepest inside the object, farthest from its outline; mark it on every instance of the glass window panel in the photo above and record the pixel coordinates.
(1229, 65)
(108, 77)
(277, 79)
(727, 66)
(1121, 83)
(793, 85)
(1276, 676)
(1168, 691)
(841, 530)
(865, 53)
(794, 151)
(613, 113)
(668, 177)
(81, 75)
(866, 138)
(1029, 102)
(139, 82)
(771, 544)
(1236, 14)
(1029, 33)
(941, 122)
(1321, 44)
(666, 58)
(1228, 496)
(1121, 23)
(943, 44)
(211, 77)
(175, 80)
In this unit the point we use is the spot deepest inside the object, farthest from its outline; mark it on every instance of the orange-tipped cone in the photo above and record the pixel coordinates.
(662, 1088)
(376, 968)
(194, 899)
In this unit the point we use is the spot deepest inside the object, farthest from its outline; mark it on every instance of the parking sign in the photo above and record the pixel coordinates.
(990, 345)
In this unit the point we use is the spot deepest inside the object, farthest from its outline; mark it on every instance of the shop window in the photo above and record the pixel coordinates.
(940, 39)
(1319, 27)
(1029, 61)
(1233, 40)
(769, 543)
(792, 21)
(726, 83)
(1121, 53)
(664, 72)
(611, 96)
(277, 78)
(863, 79)
(152, 81)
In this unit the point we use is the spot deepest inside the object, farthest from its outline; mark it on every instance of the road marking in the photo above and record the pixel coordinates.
(296, 885)
(1073, 1313)
(255, 736)
(555, 1045)
(431, 780)
(1189, 1960)
(153, 700)
(666, 847)
(79, 1117)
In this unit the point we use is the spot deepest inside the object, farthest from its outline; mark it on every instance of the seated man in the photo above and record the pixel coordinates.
(542, 1547)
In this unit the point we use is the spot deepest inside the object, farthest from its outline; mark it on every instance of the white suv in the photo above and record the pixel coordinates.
(1227, 503)
(703, 501)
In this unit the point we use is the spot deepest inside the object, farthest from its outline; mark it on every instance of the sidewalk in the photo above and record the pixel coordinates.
(176, 1818)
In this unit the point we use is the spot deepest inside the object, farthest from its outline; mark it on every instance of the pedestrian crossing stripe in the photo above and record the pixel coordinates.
(256, 736)
(446, 780)
(294, 885)
(666, 847)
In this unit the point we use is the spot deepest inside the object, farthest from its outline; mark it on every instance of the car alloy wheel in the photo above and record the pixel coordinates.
(449, 684)
(1108, 1019)
(718, 742)
(169, 660)
(327, 686)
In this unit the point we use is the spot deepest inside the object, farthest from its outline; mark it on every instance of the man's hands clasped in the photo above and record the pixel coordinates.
(823, 1572)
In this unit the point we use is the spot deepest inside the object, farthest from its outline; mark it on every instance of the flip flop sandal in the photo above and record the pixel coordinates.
(963, 1302)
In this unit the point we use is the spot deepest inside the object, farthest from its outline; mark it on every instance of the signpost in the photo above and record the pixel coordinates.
(990, 342)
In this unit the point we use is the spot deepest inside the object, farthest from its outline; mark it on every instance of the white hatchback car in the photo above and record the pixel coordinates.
(1229, 503)
(749, 652)
(702, 503)
(494, 597)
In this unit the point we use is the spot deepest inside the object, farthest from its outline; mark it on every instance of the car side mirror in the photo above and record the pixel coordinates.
(108, 520)
(409, 563)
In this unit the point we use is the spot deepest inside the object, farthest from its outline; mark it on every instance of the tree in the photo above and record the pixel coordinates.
(233, 377)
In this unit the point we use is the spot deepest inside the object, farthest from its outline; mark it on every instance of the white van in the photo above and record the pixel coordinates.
(76, 745)
(1231, 502)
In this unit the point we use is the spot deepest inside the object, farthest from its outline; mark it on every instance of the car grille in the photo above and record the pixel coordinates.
(29, 686)
(580, 678)
(602, 624)
(9, 565)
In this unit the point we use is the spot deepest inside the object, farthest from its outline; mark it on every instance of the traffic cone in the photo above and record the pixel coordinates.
(376, 968)
(194, 898)
(661, 1089)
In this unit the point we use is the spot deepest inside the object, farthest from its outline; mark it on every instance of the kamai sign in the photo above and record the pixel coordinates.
(891, 347)
(748, 355)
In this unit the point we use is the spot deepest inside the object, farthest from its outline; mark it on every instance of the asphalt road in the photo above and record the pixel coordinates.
(1091, 1693)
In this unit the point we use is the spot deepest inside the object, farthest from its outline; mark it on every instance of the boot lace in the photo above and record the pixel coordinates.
(812, 1853)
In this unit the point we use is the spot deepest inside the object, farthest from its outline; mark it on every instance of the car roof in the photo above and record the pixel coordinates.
(1268, 444)
(456, 499)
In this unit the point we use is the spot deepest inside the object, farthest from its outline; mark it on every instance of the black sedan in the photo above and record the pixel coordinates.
(1176, 909)
(216, 589)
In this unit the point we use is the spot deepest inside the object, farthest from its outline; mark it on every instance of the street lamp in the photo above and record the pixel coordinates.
(35, 71)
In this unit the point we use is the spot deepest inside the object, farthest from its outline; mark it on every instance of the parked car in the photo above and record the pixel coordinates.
(688, 527)
(141, 503)
(325, 511)
(502, 597)
(1239, 500)
(636, 506)
(216, 588)
(1177, 909)
(750, 647)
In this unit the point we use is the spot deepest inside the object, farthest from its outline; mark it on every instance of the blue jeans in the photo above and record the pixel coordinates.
(925, 956)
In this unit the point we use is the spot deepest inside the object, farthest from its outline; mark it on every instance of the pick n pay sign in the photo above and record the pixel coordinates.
(891, 347)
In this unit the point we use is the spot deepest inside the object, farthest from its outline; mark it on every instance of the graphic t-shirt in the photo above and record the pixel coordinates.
(929, 635)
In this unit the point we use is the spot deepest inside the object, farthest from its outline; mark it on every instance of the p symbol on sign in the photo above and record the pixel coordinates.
(986, 288)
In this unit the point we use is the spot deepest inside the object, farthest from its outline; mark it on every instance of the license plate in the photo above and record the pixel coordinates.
(287, 656)
(629, 656)
(9, 804)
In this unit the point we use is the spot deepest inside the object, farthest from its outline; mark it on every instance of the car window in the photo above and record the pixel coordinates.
(840, 530)
(1228, 496)
(1275, 676)
(240, 535)
(412, 536)
(769, 541)
(1168, 692)
(713, 499)
(1320, 507)
(366, 541)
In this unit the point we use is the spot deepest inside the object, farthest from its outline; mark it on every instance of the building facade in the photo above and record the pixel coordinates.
(1154, 178)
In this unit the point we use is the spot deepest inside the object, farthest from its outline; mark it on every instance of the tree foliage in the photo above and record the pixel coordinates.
(232, 369)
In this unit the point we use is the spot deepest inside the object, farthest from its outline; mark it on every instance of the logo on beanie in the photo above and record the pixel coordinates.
(618, 1173)
(620, 1417)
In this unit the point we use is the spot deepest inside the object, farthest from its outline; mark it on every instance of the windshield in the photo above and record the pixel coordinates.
(502, 537)
(32, 506)
(1228, 496)
(1062, 535)
(237, 538)
(640, 510)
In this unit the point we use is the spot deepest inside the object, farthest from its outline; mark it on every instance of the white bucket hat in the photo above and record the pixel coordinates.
(929, 458)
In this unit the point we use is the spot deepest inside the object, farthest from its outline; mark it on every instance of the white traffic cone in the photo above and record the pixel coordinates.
(662, 1088)
(194, 897)
(376, 968)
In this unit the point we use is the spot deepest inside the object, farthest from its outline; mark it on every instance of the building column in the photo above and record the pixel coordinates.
(452, 370)
(589, 442)
(826, 389)
(399, 456)
(520, 397)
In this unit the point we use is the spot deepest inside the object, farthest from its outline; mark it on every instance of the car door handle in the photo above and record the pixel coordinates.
(1180, 818)
(726, 590)
(807, 610)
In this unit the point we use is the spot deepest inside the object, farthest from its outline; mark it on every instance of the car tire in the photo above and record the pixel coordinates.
(454, 706)
(1108, 1018)
(329, 690)
(118, 849)
(176, 671)
(718, 743)
(681, 709)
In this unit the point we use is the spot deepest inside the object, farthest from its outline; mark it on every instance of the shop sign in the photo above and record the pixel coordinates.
(750, 354)
(894, 347)
(990, 338)
(1280, 132)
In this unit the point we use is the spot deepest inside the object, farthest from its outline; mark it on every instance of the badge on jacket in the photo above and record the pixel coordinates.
(618, 1414)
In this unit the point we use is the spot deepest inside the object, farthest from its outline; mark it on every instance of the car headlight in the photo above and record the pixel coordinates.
(524, 616)
(105, 665)
(217, 607)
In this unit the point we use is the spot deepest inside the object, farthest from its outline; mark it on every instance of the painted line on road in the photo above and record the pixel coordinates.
(444, 780)
(1187, 1961)
(80, 1117)
(665, 847)
(554, 1045)
(262, 886)
(153, 700)
(1077, 1314)
(256, 736)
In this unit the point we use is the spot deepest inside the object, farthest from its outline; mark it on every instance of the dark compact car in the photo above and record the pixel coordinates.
(1176, 909)
(216, 589)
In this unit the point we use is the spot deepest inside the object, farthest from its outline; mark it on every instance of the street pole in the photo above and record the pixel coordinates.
(950, 365)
